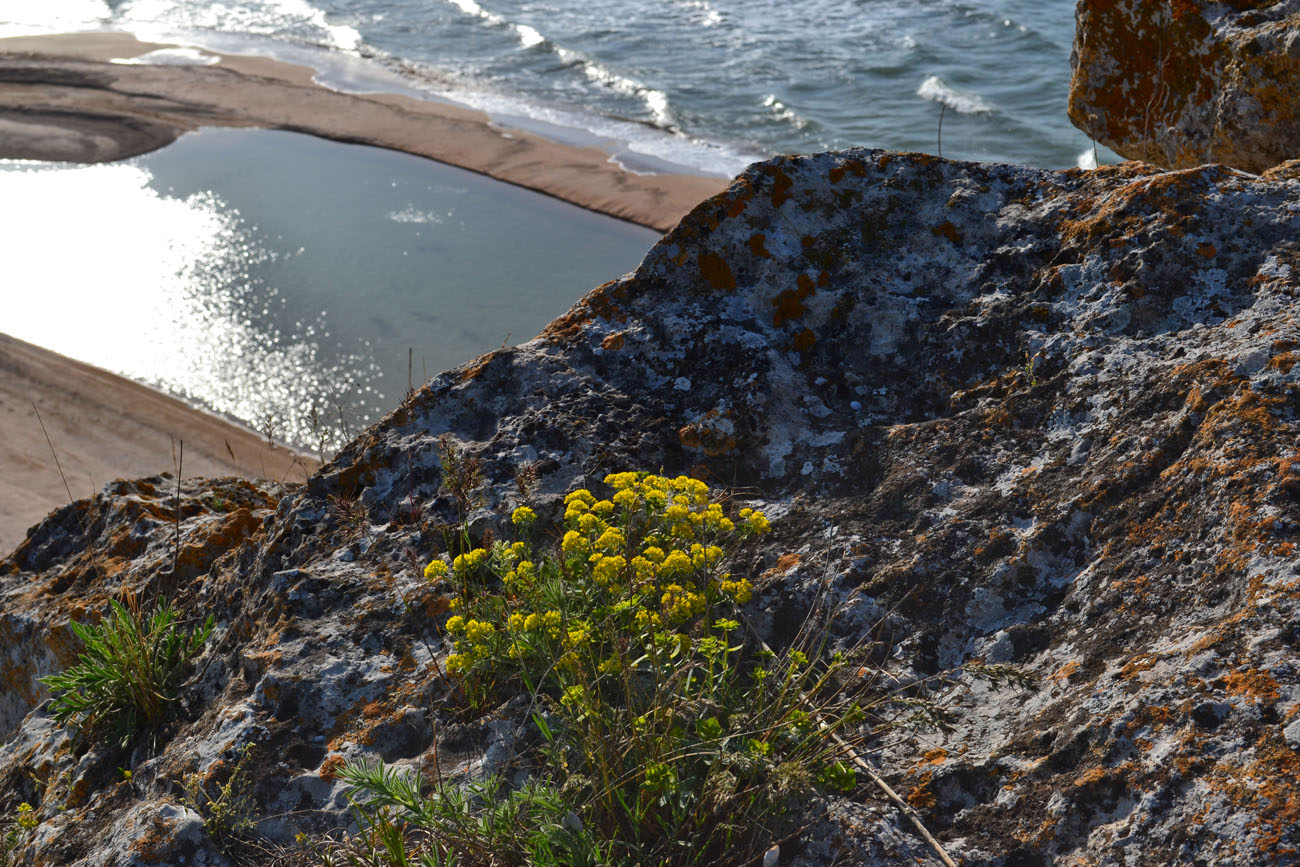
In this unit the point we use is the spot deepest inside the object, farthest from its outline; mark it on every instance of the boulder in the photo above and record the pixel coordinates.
(1031, 419)
(1188, 83)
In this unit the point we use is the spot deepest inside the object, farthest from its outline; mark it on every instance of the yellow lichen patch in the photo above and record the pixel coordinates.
(716, 271)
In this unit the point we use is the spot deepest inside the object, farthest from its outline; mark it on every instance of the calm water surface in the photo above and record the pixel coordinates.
(265, 275)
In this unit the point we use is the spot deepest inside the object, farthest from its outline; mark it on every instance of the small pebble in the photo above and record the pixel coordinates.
(855, 405)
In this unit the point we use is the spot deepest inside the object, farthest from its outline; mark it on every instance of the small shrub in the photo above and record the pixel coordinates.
(227, 808)
(663, 734)
(130, 672)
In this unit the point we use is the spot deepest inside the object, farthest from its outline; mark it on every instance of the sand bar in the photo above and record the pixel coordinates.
(62, 98)
(104, 427)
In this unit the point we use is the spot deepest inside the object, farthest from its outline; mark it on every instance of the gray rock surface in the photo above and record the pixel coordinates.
(1039, 419)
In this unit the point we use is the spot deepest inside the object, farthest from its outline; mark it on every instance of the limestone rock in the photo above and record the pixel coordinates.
(1188, 83)
(1039, 419)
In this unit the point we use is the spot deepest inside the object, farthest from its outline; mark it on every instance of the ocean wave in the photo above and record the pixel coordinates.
(935, 90)
(298, 20)
(784, 112)
(528, 36)
(52, 16)
(654, 100)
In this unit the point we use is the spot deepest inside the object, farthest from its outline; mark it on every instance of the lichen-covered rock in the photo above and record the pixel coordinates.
(1038, 419)
(1188, 83)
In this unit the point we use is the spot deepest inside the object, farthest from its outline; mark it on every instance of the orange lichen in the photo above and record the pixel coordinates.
(804, 340)
(758, 246)
(1259, 685)
(947, 230)
(329, 768)
(920, 797)
(789, 304)
(716, 271)
(1065, 672)
(613, 342)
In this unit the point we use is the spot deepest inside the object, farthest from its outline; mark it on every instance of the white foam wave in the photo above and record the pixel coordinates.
(170, 57)
(784, 112)
(528, 36)
(19, 18)
(1086, 160)
(706, 14)
(655, 101)
(275, 18)
(935, 90)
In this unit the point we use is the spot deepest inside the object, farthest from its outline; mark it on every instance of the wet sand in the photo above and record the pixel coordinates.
(104, 427)
(62, 98)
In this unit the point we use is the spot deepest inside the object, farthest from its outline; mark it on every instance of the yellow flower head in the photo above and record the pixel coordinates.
(621, 481)
(573, 544)
(523, 517)
(435, 570)
(581, 495)
(676, 563)
(611, 541)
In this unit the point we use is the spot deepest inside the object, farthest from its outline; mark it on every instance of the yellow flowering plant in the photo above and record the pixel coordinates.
(628, 634)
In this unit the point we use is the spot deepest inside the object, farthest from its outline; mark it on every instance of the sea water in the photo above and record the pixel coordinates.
(707, 84)
(294, 284)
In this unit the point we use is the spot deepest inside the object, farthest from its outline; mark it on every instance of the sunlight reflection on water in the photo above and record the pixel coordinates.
(254, 274)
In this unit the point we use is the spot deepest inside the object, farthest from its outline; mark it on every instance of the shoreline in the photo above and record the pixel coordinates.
(63, 98)
(105, 427)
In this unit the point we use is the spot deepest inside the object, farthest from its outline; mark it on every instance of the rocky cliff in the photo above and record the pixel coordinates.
(1187, 83)
(1036, 419)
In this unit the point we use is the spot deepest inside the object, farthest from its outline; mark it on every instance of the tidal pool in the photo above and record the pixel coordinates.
(277, 278)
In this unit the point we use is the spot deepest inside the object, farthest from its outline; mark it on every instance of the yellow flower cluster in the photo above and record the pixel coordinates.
(435, 571)
(644, 563)
(682, 603)
(26, 817)
(466, 563)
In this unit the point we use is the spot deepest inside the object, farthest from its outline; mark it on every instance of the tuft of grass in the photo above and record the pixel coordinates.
(130, 672)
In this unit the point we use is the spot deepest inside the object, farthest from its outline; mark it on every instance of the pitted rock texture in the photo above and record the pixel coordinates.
(1188, 83)
(1037, 419)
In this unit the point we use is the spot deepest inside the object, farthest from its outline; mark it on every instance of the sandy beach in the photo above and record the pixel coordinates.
(62, 97)
(104, 427)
